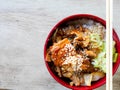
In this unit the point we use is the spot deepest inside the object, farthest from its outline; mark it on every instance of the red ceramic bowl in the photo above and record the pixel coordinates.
(94, 84)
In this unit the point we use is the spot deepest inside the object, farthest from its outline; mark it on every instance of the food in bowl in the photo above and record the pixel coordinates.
(76, 51)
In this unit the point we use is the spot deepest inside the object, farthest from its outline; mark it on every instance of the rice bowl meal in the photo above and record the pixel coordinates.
(76, 51)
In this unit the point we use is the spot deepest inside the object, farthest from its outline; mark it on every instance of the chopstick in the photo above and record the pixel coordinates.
(109, 39)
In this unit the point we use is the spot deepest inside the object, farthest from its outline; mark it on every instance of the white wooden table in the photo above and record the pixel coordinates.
(24, 26)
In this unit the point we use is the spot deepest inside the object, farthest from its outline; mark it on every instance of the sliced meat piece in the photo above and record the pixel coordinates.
(58, 71)
(90, 53)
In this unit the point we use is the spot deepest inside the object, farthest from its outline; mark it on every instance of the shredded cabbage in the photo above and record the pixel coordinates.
(100, 60)
(96, 41)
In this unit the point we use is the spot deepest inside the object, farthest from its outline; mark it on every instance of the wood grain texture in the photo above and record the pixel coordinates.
(24, 26)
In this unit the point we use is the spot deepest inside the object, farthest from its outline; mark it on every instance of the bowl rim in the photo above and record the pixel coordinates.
(97, 83)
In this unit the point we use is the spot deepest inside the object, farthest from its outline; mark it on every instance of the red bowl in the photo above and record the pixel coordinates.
(94, 84)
